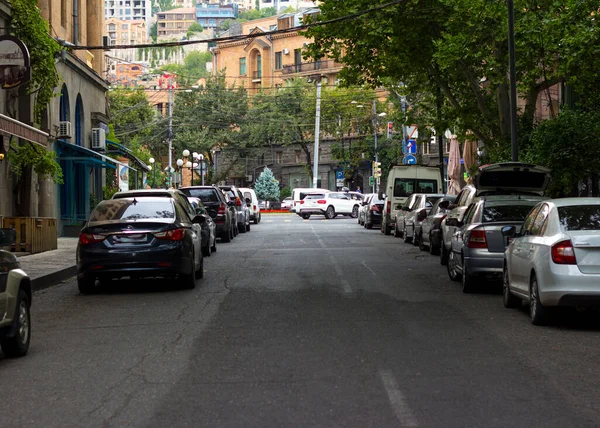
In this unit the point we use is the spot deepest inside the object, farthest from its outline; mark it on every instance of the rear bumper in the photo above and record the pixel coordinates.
(565, 285)
(482, 262)
(311, 211)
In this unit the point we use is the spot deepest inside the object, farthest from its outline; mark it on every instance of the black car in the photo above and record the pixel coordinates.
(374, 211)
(430, 234)
(217, 206)
(139, 237)
(209, 229)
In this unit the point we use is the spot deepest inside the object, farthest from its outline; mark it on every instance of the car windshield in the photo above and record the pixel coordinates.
(205, 195)
(315, 196)
(407, 186)
(133, 209)
(497, 213)
(579, 217)
(248, 195)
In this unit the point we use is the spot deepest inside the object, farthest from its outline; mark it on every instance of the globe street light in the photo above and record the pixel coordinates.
(151, 160)
(179, 165)
(201, 162)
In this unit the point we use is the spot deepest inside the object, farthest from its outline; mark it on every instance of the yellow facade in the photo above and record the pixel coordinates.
(175, 22)
(270, 61)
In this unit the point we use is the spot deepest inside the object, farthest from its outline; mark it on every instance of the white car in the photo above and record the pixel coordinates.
(252, 202)
(555, 258)
(286, 204)
(328, 204)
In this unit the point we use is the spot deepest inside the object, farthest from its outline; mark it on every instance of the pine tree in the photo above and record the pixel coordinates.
(267, 187)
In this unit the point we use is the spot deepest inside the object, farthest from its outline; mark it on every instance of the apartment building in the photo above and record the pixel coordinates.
(174, 24)
(129, 10)
(211, 15)
(280, 5)
(122, 32)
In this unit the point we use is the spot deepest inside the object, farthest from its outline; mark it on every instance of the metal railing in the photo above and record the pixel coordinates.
(310, 66)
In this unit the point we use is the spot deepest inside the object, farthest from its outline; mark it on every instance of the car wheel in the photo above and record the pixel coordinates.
(305, 216)
(509, 299)
(213, 249)
(405, 235)
(236, 230)
(256, 218)
(330, 213)
(369, 225)
(206, 250)
(18, 344)
(537, 312)
(86, 285)
(242, 227)
(189, 281)
(354, 211)
(452, 267)
(415, 240)
(432, 249)
(200, 271)
(443, 254)
(248, 227)
(468, 281)
(397, 233)
(422, 246)
(226, 236)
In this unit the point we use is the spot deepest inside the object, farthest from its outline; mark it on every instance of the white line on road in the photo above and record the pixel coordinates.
(318, 237)
(346, 286)
(396, 397)
(337, 267)
(368, 268)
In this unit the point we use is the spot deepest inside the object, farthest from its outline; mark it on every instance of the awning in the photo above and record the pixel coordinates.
(79, 154)
(121, 149)
(10, 126)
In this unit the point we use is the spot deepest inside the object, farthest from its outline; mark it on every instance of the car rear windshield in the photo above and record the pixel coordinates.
(579, 217)
(205, 195)
(133, 209)
(499, 213)
(407, 186)
(248, 195)
(315, 196)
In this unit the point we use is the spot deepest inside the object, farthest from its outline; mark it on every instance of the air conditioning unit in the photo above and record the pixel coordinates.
(285, 51)
(64, 130)
(248, 178)
(98, 138)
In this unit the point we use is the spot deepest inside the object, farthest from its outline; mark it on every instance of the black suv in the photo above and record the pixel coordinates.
(216, 205)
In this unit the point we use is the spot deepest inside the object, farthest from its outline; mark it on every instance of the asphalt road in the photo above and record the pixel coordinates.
(316, 323)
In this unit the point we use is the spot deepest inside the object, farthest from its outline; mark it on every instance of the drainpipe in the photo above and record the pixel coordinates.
(75, 22)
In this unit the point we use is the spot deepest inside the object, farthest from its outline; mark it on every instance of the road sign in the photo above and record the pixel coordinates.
(409, 160)
(339, 175)
(411, 146)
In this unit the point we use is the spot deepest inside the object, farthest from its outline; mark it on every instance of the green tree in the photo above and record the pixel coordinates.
(165, 5)
(266, 186)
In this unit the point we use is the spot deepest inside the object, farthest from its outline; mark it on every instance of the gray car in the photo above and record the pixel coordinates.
(477, 247)
(418, 212)
(430, 233)
(237, 200)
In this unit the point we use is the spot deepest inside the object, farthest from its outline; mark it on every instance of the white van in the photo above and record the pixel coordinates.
(403, 181)
(253, 206)
(298, 195)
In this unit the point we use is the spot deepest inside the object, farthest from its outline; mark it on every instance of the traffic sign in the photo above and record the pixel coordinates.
(339, 175)
(409, 160)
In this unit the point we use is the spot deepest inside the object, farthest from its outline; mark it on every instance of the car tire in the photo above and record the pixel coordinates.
(397, 233)
(451, 266)
(305, 216)
(189, 281)
(405, 235)
(422, 245)
(17, 345)
(257, 218)
(415, 240)
(248, 227)
(443, 254)
(468, 281)
(200, 271)
(86, 285)
(432, 250)
(539, 314)
(226, 236)
(509, 299)
(206, 250)
(330, 213)
(369, 225)
(354, 211)
(242, 227)
(213, 249)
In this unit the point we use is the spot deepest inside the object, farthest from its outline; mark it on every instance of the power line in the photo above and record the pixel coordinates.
(245, 36)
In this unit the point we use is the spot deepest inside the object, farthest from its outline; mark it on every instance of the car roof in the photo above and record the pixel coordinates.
(138, 198)
(197, 187)
(566, 202)
(146, 192)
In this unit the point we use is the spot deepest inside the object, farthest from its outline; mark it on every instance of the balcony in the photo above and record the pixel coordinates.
(310, 67)
(256, 76)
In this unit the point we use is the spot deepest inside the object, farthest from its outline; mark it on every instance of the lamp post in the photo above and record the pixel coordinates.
(151, 160)
(201, 163)
(179, 165)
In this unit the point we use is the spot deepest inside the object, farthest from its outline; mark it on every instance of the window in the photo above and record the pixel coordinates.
(212, 23)
(125, 209)
(242, 66)
(124, 27)
(203, 22)
(278, 61)
(526, 229)
(278, 157)
(407, 186)
(259, 66)
(579, 217)
(298, 156)
(112, 27)
(538, 223)
(469, 214)
(426, 147)
(505, 213)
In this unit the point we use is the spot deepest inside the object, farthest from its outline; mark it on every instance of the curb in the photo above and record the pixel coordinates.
(53, 278)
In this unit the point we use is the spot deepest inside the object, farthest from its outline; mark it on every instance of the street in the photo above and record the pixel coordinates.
(316, 323)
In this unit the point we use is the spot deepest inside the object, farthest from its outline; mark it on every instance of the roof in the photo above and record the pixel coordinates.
(180, 10)
(566, 202)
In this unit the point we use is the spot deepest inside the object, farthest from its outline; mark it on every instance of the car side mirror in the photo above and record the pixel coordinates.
(509, 231)
(198, 219)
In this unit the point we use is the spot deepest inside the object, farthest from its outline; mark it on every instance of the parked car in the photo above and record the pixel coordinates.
(216, 205)
(477, 247)
(363, 207)
(139, 236)
(176, 194)
(554, 260)
(286, 204)
(299, 193)
(402, 182)
(252, 202)
(429, 232)
(418, 212)
(374, 210)
(237, 200)
(328, 204)
(15, 301)
(509, 178)
(209, 228)
(398, 220)
(263, 205)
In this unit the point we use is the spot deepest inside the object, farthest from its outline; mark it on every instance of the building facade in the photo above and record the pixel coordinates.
(129, 10)
(174, 24)
(280, 5)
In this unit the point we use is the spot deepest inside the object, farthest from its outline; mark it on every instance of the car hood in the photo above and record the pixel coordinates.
(512, 177)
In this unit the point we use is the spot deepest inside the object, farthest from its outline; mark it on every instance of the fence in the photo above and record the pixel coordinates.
(34, 234)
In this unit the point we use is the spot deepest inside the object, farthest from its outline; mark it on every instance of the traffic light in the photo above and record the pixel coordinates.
(390, 128)
(376, 169)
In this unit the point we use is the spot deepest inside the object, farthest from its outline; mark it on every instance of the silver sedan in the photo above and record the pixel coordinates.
(555, 259)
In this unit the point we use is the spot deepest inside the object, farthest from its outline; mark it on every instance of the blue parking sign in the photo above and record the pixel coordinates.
(339, 175)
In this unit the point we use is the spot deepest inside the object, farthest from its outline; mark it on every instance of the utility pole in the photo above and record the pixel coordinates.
(513, 80)
(438, 137)
(317, 130)
(376, 181)
(170, 132)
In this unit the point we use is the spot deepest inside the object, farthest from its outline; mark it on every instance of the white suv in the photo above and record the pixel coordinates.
(329, 205)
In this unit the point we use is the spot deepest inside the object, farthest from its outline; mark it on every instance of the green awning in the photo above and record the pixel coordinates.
(121, 149)
(83, 155)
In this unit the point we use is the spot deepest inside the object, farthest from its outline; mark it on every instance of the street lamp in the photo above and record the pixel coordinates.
(201, 163)
(179, 165)
(151, 160)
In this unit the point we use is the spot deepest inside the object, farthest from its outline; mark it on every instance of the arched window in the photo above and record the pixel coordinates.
(65, 108)
(79, 121)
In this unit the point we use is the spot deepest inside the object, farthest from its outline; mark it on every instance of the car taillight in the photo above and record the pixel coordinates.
(477, 239)
(375, 208)
(255, 207)
(389, 206)
(238, 201)
(563, 253)
(171, 235)
(222, 209)
(302, 201)
(321, 201)
(88, 238)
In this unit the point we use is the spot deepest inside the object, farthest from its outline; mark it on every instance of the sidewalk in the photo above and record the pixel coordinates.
(51, 267)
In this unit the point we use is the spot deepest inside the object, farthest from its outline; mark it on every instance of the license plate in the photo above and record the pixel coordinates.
(129, 238)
